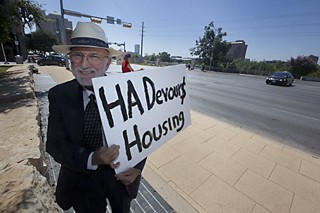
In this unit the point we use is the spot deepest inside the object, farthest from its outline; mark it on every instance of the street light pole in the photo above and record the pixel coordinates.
(4, 55)
(62, 25)
(211, 56)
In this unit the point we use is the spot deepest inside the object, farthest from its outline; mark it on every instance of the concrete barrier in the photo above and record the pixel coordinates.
(23, 183)
(308, 78)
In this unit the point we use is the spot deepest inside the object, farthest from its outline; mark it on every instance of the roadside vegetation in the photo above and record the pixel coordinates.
(3, 69)
(15, 16)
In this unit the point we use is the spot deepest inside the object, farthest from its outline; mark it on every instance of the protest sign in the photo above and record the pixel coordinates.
(140, 111)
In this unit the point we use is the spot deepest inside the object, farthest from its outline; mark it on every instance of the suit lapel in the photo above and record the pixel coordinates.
(76, 110)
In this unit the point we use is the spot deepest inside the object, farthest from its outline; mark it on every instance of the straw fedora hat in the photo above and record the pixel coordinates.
(87, 34)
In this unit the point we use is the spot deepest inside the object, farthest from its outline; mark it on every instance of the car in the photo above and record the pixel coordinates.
(33, 58)
(283, 78)
(52, 60)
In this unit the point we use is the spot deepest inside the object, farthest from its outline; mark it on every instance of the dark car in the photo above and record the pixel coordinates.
(280, 78)
(52, 60)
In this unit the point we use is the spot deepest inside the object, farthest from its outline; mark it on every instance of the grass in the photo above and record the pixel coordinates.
(315, 74)
(4, 69)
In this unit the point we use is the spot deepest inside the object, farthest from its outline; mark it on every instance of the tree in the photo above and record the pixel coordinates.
(301, 66)
(151, 57)
(164, 57)
(211, 48)
(41, 41)
(14, 16)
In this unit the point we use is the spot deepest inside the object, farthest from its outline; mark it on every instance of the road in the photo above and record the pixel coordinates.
(290, 115)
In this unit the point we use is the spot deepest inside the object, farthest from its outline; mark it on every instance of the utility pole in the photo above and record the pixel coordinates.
(142, 31)
(62, 25)
(216, 33)
(4, 54)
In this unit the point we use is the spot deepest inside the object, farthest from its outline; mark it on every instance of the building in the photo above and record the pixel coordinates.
(53, 25)
(237, 50)
(137, 49)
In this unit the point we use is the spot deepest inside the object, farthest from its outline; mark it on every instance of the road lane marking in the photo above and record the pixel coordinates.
(296, 114)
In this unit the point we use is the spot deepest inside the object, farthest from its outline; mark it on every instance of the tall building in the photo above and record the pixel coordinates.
(53, 25)
(137, 49)
(237, 50)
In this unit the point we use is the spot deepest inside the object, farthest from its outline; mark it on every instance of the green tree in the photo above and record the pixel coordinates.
(255, 67)
(14, 16)
(41, 41)
(301, 66)
(211, 48)
(164, 57)
(151, 57)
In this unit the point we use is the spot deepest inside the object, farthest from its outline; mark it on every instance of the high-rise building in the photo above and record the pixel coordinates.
(137, 49)
(53, 25)
(237, 50)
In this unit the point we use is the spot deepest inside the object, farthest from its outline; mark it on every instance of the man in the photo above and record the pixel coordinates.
(87, 176)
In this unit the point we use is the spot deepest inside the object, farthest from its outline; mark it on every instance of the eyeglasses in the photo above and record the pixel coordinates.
(93, 58)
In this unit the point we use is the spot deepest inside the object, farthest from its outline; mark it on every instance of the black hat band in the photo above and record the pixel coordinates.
(83, 41)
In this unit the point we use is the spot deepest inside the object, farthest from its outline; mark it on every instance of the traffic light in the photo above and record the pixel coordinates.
(127, 25)
(94, 20)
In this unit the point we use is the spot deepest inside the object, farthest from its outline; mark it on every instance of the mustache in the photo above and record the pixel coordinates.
(88, 70)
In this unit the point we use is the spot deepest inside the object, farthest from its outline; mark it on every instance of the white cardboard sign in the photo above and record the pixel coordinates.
(140, 111)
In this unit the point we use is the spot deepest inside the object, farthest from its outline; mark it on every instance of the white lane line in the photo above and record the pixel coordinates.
(296, 114)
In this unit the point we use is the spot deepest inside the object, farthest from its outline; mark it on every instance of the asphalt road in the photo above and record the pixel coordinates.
(290, 115)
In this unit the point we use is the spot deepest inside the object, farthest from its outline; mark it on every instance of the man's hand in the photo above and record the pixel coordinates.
(106, 156)
(128, 176)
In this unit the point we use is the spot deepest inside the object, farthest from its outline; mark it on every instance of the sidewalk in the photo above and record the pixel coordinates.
(215, 167)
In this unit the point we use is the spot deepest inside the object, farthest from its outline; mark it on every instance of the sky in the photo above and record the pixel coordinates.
(272, 29)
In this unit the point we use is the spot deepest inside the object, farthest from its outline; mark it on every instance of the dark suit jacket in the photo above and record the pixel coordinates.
(65, 139)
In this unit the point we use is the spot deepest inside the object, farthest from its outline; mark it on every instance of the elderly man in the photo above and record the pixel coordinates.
(75, 137)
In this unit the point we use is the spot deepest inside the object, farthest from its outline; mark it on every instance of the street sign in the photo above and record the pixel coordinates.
(140, 111)
(110, 20)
